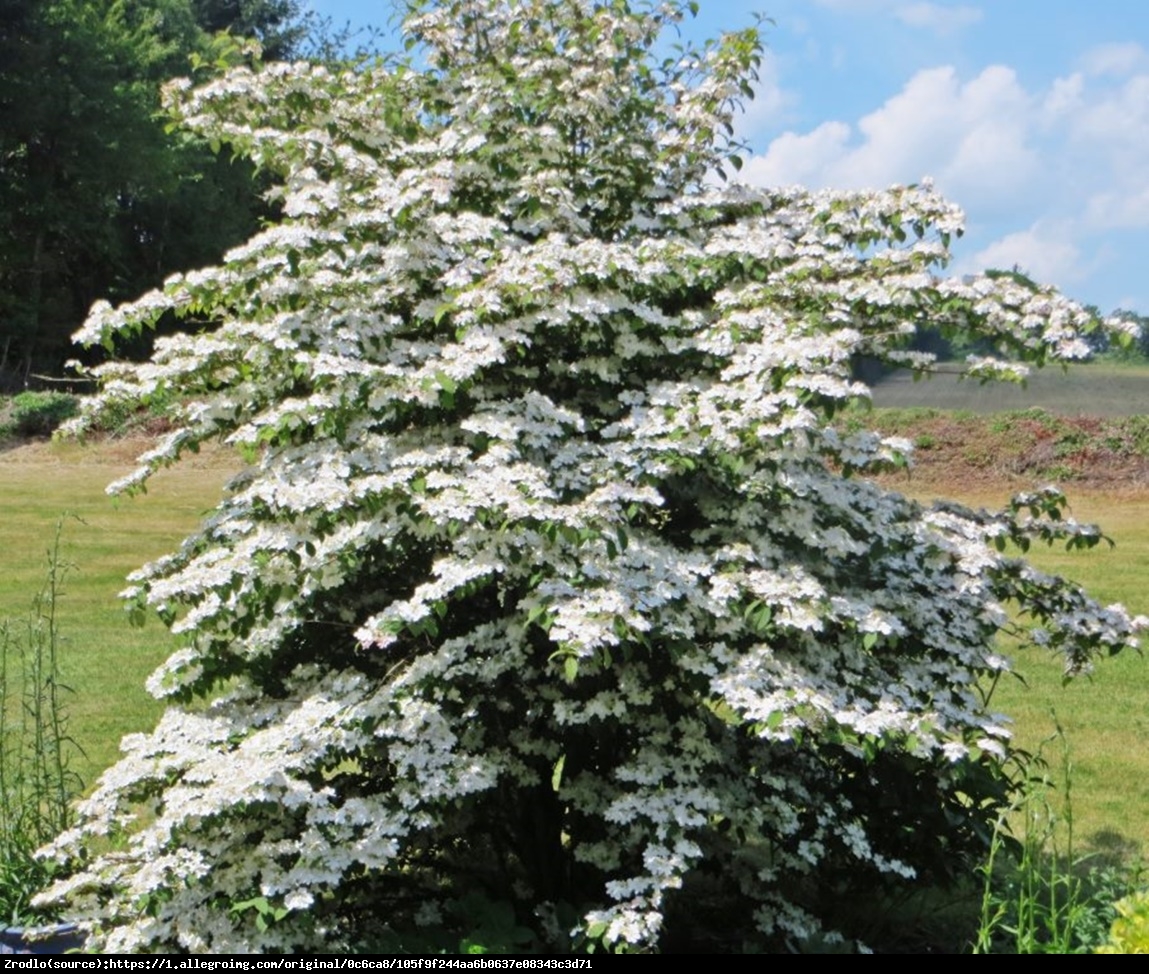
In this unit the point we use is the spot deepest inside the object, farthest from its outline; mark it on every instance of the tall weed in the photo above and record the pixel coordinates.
(1039, 895)
(36, 782)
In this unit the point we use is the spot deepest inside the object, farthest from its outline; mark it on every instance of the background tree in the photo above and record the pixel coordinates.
(280, 26)
(96, 199)
(552, 594)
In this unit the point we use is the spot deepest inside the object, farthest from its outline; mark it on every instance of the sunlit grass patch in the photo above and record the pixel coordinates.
(1105, 716)
(103, 658)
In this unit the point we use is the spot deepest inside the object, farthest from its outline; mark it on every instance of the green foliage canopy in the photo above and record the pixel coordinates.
(96, 199)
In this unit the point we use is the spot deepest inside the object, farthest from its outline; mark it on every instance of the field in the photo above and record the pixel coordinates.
(1100, 389)
(973, 459)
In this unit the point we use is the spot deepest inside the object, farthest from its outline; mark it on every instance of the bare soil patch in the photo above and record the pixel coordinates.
(108, 451)
(1020, 449)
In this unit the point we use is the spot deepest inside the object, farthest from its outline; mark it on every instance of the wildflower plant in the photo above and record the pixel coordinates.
(551, 577)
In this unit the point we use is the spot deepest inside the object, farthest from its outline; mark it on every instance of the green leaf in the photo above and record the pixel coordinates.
(258, 903)
(595, 930)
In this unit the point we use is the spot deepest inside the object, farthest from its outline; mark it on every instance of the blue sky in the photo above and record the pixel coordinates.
(1033, 116)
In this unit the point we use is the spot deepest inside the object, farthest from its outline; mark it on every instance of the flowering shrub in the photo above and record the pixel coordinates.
(552, 579)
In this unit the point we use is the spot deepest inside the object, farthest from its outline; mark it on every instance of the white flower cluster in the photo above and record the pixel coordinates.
(551, 574)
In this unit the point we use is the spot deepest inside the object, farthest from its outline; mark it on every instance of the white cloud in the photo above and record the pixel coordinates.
(1045, 252)
(993, 159)
(971, 137)
(1063, 98)
(909, 135)
(799, 159)
(853, 6)
(935, 17)
(1107, 139)
(1116, 118)
(1114, 59)
(1118, 211)
(1044, 174)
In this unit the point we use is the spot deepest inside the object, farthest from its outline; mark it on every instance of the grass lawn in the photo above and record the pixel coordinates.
(104, 659)
(1094, 389)
(1106, 717)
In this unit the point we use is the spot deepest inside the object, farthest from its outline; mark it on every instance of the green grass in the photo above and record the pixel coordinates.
(1106, 717)
(1096, 389)
(104, 659)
